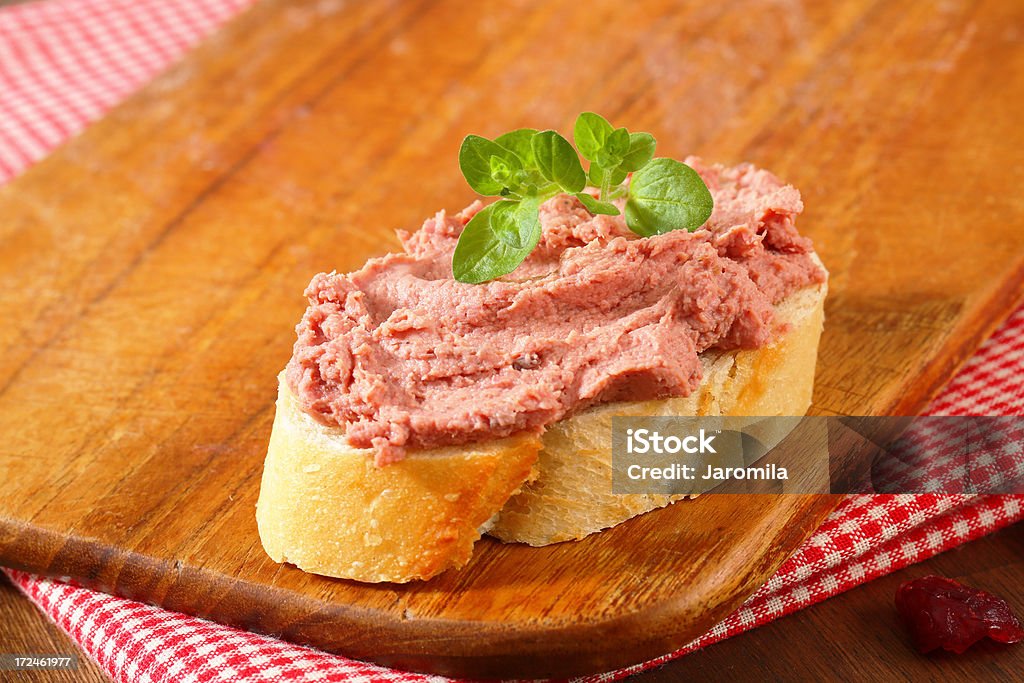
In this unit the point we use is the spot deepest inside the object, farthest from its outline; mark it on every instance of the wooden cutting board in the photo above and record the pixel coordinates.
(151, 273)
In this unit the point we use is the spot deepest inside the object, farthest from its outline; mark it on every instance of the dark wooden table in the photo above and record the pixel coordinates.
(852, 637)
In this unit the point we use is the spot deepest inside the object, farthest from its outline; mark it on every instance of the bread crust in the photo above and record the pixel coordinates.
(326, 508)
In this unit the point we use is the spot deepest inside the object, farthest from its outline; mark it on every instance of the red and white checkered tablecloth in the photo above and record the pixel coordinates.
(63, 63)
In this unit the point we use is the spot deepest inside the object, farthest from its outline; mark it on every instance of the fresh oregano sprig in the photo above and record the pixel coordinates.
(526, 167)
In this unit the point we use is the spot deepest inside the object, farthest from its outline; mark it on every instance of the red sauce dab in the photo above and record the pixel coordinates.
(944, 613)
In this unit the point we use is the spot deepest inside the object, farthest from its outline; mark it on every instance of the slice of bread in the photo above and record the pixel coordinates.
(326, 508)
(571, 496)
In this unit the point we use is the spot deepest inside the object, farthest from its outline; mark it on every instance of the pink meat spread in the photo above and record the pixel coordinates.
(404, 356)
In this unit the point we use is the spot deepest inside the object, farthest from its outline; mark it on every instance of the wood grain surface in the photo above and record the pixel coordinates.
(865, 642)
(151, 272)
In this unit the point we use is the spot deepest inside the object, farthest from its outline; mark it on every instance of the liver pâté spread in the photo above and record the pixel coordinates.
(404, 356)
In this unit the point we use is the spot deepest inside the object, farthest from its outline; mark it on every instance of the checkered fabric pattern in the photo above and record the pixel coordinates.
(945, 454)
(867, 537)
(64, 62)
(991, 382)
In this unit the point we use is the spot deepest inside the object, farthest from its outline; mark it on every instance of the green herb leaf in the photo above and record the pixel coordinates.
(590, 133)
(641, 151)
(519, 141)
(667, 195)
(526, 167)
(517, 224)
(618, 143)
(558, 161)
(595, 206)
(597, 176)
(475, 161)
(500, 171)
(496, 240)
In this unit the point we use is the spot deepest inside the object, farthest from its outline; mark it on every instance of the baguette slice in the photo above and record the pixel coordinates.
(571, 496)
(327, 509)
